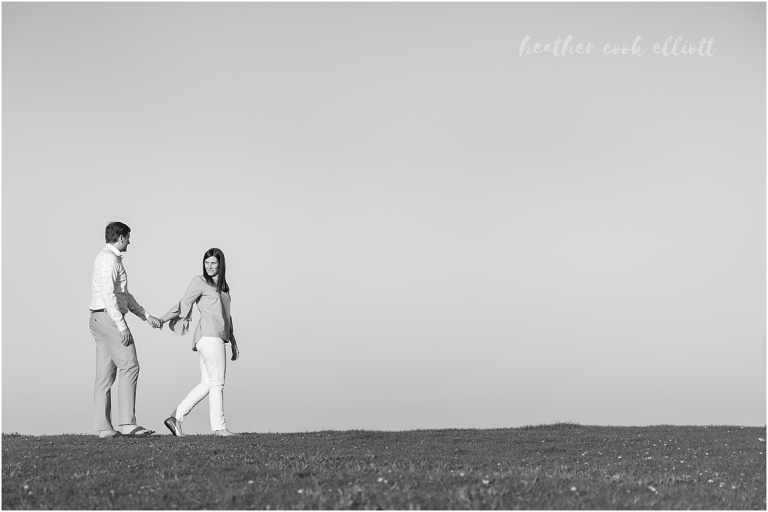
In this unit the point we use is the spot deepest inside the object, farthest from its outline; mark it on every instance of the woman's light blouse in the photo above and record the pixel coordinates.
(215, 319)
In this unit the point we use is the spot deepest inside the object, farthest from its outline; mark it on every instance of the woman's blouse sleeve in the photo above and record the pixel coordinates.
(180, 325)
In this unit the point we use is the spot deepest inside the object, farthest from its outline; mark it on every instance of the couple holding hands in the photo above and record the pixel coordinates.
(116, 351)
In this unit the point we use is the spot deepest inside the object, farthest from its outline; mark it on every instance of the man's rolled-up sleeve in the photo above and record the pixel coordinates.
(134, 306)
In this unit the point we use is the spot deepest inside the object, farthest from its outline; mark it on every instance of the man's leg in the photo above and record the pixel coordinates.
(127, 363)
(128, 379)
(102, 391)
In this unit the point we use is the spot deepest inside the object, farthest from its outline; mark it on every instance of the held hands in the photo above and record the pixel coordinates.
(156, 323)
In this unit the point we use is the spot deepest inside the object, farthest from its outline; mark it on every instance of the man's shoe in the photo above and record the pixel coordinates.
(224, 432)
(138, 432)
(174, 426)
(104, 434)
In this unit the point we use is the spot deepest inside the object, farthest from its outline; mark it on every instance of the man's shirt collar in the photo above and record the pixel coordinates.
(114, 250)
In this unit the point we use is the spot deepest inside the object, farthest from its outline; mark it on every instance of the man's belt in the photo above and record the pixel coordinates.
(98, 310)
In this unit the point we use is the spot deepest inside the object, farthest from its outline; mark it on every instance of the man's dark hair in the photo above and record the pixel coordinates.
(115, 230)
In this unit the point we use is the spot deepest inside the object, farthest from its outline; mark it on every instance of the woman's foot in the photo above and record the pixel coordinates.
(174, 426)
(224, 432)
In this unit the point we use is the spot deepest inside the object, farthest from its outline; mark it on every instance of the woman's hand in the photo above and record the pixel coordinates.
(235, 352)
(156, 323)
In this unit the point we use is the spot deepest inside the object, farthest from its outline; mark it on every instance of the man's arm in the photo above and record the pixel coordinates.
(107, 278)
(134, 306)
(140, 312)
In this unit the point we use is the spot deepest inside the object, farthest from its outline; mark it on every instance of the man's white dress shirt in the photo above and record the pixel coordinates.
(109, 288)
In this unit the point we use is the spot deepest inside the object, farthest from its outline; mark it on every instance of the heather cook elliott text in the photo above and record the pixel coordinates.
(671, 47)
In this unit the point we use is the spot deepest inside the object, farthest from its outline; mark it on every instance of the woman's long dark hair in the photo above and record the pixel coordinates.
(221, 285)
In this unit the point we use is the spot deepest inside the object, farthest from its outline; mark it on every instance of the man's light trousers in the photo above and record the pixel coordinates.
(111, 356)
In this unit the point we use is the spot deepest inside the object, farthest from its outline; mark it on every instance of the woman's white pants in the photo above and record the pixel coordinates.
(213, 371)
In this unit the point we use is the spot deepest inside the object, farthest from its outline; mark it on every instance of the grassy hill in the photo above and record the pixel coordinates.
(562, 466)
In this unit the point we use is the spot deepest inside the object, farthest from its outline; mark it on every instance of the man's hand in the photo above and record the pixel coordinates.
(127, 337)
(154, 322)
(235, 352)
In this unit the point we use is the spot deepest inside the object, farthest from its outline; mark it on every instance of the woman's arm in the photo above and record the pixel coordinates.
(235, 350)
(170, 316)
(180, 314)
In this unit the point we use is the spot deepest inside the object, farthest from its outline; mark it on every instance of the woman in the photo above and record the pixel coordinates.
(211, 294)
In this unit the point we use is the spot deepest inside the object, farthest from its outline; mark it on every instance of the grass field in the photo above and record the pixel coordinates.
(562, 466)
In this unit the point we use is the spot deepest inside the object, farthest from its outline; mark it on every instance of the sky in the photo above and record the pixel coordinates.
(424, 226)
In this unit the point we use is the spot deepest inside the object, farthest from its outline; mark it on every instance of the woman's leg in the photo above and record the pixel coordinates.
(214, 356)
(198, 392)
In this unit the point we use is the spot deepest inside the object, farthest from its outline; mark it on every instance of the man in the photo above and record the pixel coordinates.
(115, 350)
